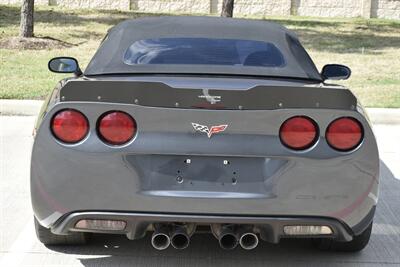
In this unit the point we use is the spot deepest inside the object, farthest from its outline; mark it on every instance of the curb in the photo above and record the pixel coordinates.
(384, 115)
(9, 107)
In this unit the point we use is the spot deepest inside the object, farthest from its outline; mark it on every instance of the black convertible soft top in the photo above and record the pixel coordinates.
(109, 59)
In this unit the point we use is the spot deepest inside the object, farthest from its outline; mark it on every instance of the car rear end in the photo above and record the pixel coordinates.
(182, 125)
(110, 159)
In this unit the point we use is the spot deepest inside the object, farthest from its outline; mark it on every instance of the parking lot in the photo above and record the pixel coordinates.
(19, 246)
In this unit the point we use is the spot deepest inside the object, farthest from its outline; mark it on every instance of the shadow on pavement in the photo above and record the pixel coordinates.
(203, 251)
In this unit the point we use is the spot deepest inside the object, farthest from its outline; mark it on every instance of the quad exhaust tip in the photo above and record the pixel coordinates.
(180, 240)
(228, 241)
(160, 241)
(248, 241)
(165, 235)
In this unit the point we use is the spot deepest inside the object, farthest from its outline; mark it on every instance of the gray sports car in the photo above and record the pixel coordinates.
(184, 125)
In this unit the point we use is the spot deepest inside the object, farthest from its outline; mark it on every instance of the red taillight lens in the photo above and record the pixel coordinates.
(116, 127)
(69, 126)
(299, 133)
(344, 134)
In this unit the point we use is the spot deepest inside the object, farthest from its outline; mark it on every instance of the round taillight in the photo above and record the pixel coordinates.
(69, 126)
(299, 133)
(116, 127)
(344, 134)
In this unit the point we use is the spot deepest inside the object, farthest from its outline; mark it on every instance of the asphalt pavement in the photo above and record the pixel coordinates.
(19, 246)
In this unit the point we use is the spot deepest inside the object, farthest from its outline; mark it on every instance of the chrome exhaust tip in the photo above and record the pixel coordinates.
(180, 240)
(228, 241)
(248, 241)
(160, 241)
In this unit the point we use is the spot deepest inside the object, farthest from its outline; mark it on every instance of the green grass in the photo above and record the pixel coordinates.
(371, 48)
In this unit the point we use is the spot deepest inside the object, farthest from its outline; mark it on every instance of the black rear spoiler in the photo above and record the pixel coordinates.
(159, 94)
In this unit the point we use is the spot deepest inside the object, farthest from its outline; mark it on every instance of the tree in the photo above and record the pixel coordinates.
(26, 26)
(227, 8)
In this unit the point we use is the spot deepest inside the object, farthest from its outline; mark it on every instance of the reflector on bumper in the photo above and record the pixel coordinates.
(108, 225)
(307, 230)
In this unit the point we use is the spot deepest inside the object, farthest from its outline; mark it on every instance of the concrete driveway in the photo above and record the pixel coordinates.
(19, 247)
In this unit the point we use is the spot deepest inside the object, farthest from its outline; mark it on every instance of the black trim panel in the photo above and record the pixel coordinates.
(269, 227)
(159, 94)
(365, 222)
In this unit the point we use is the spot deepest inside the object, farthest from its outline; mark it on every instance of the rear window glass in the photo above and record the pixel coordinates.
(204, 51)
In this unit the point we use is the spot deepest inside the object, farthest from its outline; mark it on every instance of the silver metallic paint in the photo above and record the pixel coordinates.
(91, 175)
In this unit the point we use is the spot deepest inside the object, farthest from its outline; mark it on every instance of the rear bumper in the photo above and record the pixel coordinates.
(270, 229)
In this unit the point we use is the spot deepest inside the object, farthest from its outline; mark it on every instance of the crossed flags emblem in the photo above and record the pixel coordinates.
(209, 131)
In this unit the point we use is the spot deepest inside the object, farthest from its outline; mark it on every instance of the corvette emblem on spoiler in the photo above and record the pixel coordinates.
(213, 99)
(209, 131)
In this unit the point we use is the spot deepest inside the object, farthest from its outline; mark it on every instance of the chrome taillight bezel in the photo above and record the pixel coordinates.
(350, 148)
(305, 146)
(106, 139)
(63, 140)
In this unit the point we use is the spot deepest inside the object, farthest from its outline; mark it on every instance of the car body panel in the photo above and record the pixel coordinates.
(142, 176)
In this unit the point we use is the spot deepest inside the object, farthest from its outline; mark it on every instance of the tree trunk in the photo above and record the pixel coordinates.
(26, 26)
(227, 8)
